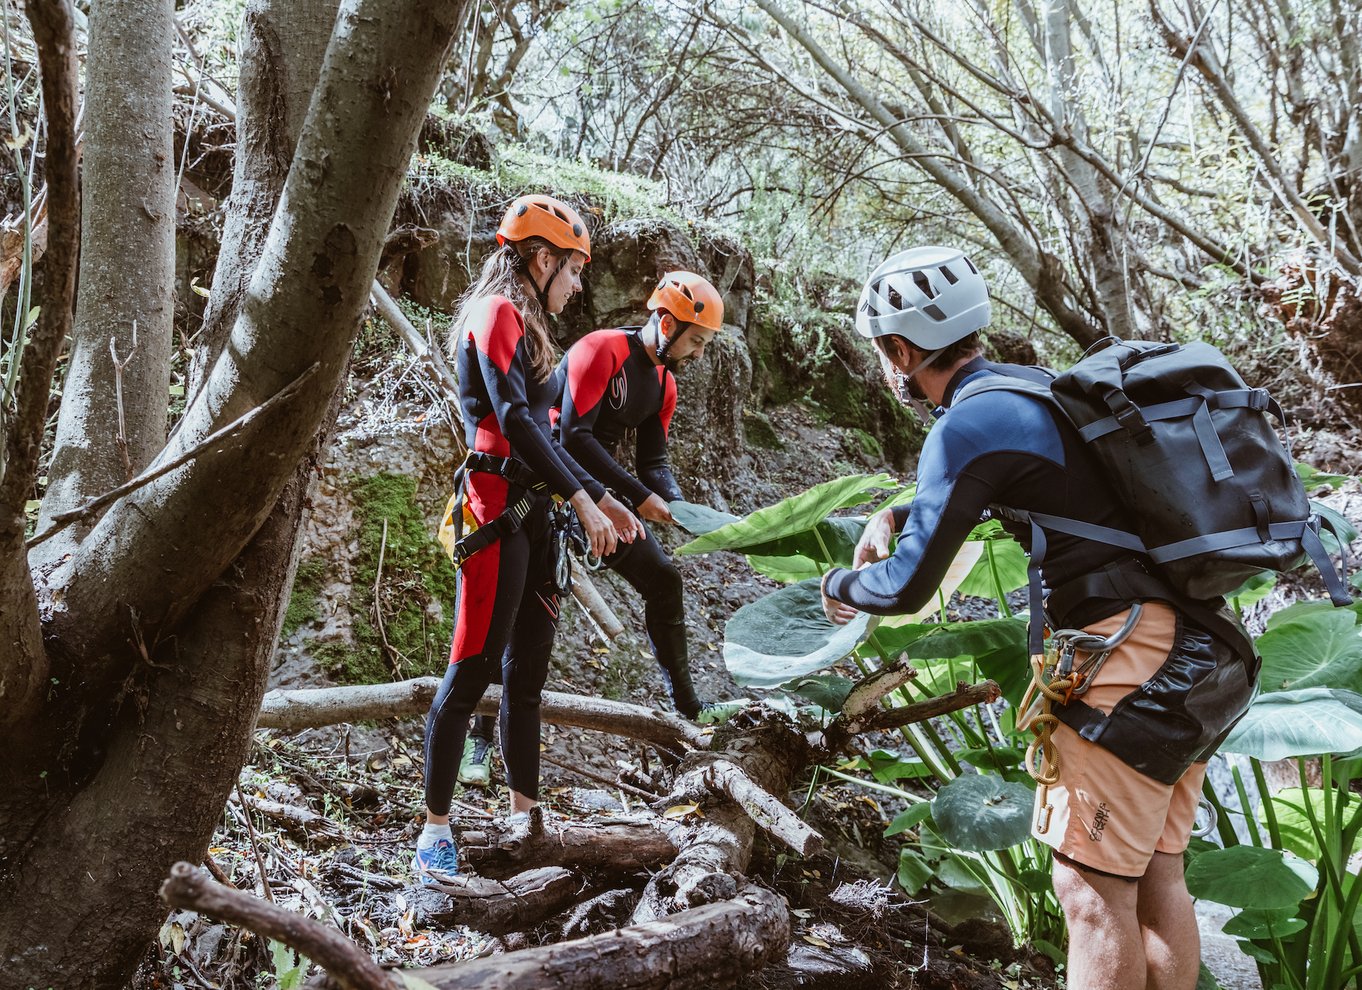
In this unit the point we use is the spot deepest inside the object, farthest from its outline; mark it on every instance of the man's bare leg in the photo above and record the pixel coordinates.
(1106, 951)
(1172, 943)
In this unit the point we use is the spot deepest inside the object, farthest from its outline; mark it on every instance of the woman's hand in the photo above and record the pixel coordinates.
(654, 509)
(838, 613)
(599, 530)
(627, 525)
(874, 542)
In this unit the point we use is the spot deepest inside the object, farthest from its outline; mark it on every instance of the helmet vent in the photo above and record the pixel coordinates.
(971, 266)
(895, 300)
(949, 275)
(934, 311)
(924, 284)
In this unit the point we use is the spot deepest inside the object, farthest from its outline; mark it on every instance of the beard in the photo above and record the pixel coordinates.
(901, 386)
(677, 366)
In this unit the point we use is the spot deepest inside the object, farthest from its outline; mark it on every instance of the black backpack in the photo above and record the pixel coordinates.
(1211, 489)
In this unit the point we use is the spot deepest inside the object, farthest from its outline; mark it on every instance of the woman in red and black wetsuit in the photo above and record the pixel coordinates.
(507, 600)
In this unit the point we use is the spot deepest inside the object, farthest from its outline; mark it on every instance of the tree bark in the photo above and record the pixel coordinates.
(619, 845)
(282, 49)
(113, 421)
(497, 907)
(24, 671)
(125, 767)
(318, 263)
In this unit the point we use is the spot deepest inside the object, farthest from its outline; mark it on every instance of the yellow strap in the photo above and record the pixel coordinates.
(446, 532)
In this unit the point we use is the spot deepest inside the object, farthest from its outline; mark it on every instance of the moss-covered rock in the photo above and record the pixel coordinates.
(304, 604)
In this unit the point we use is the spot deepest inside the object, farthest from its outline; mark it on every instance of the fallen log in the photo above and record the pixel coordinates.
(765, 809)
(706, 947)
(293, 711)
(616, 845)
(497, 907)
(302, 823)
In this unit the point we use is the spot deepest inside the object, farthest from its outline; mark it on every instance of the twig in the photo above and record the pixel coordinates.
(255, 846)
(394, 660)
(121, 441)
(637, 792)
(63, 519)
(218, 873)
(187, 888)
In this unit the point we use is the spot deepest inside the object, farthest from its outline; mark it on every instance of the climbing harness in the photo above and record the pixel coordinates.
(1057, 677)
(458, 518)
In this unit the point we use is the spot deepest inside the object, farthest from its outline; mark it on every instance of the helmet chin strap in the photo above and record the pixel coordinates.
(898, 383)
(664, 343)
(543, 293)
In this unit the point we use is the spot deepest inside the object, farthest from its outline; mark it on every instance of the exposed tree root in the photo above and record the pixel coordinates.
(619, 845)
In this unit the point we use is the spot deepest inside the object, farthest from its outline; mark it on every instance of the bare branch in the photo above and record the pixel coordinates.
(764, 807)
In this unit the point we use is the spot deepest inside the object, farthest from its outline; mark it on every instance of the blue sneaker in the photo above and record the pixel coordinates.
(437, 863)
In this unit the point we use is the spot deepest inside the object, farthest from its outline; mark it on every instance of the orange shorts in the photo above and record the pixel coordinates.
(1106, 815)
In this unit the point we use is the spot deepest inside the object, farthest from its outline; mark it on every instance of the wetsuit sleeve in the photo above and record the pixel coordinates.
(591, 363)
(958, 477)
(499, 342)
(651, 455)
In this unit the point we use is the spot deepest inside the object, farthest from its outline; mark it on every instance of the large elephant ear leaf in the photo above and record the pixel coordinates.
(796, 558)
(1308, 722)
(1315, 648)
(697, 519)
(785, 635)
(983, 812)
(1001, 565)
(755, 532)
(1251, 877)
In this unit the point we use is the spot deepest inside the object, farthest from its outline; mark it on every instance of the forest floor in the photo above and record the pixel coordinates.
(351, 866)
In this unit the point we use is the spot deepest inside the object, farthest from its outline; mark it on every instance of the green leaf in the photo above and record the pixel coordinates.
(785, 635)
(1315, 649)
(1251, 877)
(839, 535)
(997, 758)
(997, 647)
(698, 519)
(1206, 980)
(798, 514)
(1254, 589)
(1052, 952)
(1340, 523)
(1296, 833)
(915, 815)
(1008, 558)
(1312, 477)
(786, 570)
(1259, 924)
(1310, 722)
(1037, 882)
(914, 870)
(982, 813)
(827, 691)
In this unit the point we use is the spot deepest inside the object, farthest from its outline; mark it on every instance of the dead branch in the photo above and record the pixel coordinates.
(302, 823)
(350, 966)
(844, 727)
(292, 711)
(765, 808)
(865, 696)
(497, 907)
(705, 947)
(623, 844)
(63, 519)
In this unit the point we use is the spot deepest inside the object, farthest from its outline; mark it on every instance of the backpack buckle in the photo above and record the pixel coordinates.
(1259, 399)
(1128, 416)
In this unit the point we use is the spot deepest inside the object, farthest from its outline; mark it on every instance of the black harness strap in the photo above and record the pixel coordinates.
(510, 519)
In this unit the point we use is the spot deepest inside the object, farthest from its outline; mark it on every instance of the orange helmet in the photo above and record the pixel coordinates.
(689, 298)
(546, 217)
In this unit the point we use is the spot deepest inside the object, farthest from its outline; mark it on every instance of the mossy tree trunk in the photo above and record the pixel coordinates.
(159, 624)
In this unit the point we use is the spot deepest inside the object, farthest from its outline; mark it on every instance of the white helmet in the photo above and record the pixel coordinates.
(932, 296)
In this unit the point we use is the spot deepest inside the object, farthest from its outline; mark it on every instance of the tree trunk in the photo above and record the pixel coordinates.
(114, 420)
(274, 88)
(157, 679)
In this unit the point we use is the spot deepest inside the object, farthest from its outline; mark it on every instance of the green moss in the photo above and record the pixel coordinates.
(759, 431)
(868, 445)
(416, 574)
(305, 600)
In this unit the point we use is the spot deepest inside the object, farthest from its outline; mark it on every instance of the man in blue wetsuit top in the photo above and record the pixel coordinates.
(1122, 813)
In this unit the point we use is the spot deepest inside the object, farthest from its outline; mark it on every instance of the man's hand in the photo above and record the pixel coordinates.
(626, 524)
(654, 509)
(838, 613)
(874, 542)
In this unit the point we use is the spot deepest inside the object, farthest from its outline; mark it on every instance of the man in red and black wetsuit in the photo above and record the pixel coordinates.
(624, 379)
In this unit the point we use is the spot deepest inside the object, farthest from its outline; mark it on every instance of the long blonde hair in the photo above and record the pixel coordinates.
(501, 276)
